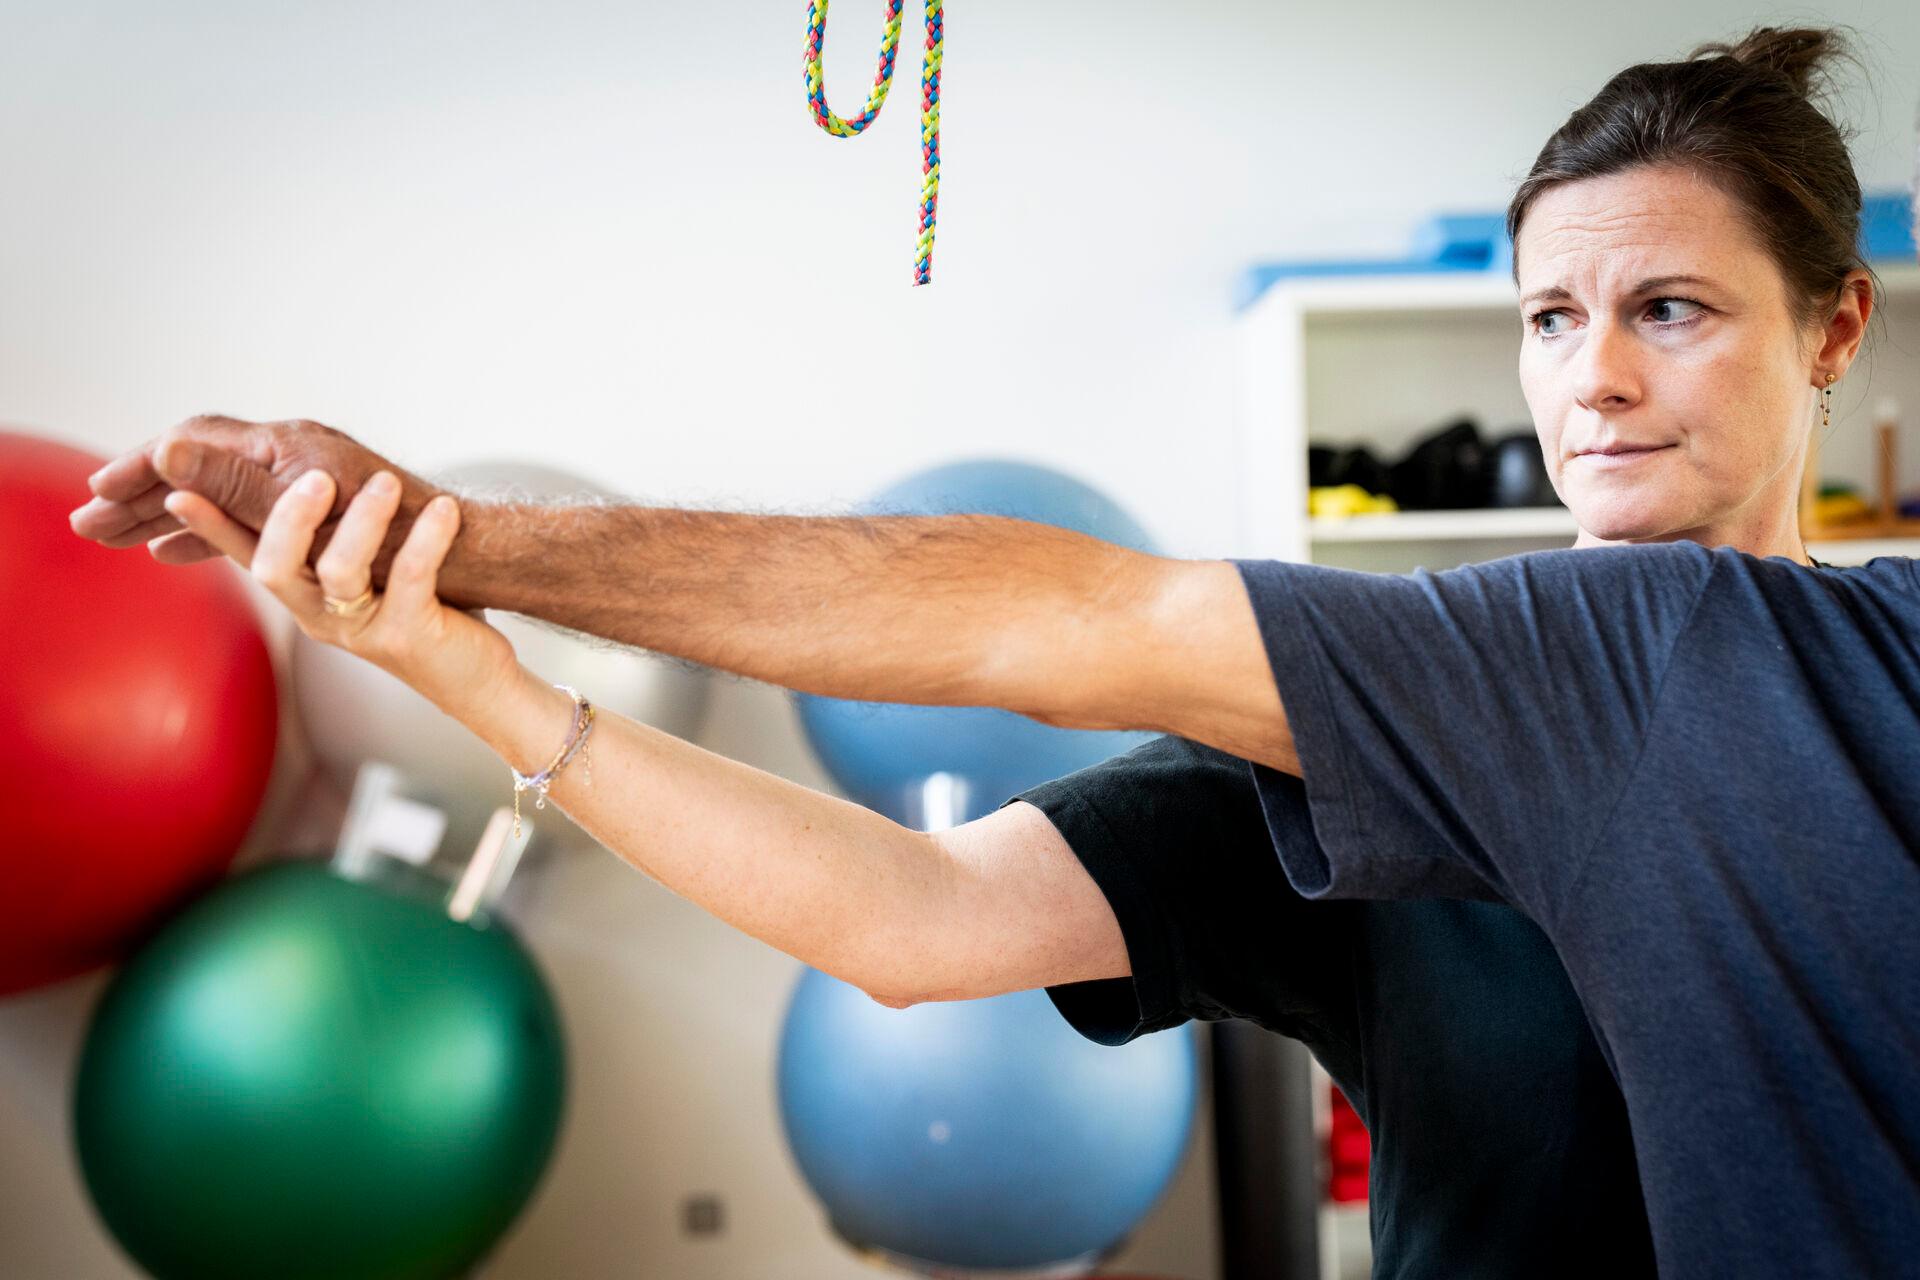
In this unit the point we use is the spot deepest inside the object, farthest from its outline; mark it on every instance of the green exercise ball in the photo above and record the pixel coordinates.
(307, 1076)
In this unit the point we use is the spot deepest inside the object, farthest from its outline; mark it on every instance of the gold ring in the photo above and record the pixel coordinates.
(350, 608)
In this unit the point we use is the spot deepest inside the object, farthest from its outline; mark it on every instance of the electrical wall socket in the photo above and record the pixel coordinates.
(703, 1215)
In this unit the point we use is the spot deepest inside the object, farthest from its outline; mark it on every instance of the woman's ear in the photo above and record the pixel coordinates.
(1839, 338)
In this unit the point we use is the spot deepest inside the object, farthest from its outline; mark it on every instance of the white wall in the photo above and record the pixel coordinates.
(609, 237)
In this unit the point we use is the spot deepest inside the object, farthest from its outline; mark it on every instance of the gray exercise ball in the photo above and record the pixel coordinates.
(354, 712)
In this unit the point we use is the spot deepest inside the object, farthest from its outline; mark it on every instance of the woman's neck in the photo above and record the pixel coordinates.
(1775, 532)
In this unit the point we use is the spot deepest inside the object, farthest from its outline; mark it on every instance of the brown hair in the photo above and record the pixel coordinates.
(1746, 116)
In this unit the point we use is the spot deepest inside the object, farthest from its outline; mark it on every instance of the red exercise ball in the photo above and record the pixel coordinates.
(137, 726)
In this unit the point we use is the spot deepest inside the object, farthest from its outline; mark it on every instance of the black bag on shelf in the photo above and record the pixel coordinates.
(1327, 465)
(1445, 470)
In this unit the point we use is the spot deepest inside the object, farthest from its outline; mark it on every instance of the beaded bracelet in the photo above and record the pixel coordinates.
(576, 743)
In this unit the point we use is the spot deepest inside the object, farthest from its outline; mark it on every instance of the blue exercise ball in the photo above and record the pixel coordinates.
(941, 766)
(978, 1133)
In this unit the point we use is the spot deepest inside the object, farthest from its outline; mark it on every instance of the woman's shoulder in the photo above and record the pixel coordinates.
(1600, 574)
(1884, 590)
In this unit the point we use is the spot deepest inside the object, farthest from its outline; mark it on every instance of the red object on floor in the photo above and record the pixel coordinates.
(1349, 1152)
(137, 726)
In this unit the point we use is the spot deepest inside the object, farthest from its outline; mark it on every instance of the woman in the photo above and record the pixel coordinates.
(1671, 411)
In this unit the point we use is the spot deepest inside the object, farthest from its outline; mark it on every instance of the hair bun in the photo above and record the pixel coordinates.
(1798, 53)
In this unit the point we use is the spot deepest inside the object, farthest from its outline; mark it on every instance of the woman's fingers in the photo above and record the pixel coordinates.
(407, 617)
(345, 568)
(413, 578)
(211, 531)
(280, 558)
(183, 546)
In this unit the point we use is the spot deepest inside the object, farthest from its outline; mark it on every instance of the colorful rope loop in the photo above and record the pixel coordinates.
(929, 140)
(877, 97)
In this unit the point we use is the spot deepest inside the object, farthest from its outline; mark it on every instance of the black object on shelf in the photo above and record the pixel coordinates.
(1445, 470)
(1516, 474)
(1450, 468)
(1333, 466)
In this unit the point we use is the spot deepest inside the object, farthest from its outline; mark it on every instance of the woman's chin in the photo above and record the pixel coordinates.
(1613, 518)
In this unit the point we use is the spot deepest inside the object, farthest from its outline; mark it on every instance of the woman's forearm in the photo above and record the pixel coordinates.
(967, 610)
(826, 881)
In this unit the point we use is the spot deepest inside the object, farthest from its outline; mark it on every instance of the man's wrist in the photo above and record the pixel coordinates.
(578, 566)
(481, 568)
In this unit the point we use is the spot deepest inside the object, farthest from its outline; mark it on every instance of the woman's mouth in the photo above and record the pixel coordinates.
(1616, 457)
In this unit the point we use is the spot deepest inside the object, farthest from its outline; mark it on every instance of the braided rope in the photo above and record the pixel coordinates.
(877, 97)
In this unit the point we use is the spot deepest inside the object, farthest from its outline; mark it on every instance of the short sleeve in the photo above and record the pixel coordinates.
(1173, 834)
(1466, 733)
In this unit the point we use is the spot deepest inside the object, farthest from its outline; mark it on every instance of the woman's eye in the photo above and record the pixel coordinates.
(1671, 317)
(1543, 319)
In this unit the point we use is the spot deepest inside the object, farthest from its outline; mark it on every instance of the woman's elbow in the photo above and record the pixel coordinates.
(895, 1002)
(894, 999)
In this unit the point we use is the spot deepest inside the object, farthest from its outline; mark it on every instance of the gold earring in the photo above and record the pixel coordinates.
(1826, 403)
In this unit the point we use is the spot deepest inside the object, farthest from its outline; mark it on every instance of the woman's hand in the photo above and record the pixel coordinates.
(449, 656)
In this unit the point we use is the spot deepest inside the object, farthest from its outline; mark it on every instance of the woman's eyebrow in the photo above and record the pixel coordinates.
(1555, 293)
(1652, 283)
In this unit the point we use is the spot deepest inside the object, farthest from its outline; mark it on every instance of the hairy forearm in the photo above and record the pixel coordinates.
(966, 610)
(826, 881)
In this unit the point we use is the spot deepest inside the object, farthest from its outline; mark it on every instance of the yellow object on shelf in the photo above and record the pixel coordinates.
(1842, 508)
(1347, 500)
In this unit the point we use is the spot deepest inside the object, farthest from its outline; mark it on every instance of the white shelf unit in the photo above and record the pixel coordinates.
(1382, 360)
(1424, 526)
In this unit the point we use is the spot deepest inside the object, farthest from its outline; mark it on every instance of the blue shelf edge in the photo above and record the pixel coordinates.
(1452, 243)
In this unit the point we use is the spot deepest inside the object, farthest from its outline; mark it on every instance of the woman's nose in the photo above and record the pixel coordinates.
(1607, 375)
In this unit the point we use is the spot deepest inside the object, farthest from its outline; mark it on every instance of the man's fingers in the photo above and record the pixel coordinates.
(127, 476)
(216, 531)
(144, 532)
(243, 489)
(135, 471)
(183, 546)
(101, 519)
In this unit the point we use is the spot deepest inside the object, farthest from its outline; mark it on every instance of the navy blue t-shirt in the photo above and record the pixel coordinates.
(1699, 773)
(1500, 1141)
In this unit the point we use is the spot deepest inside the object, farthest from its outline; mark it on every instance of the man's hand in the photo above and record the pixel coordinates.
(242, 468)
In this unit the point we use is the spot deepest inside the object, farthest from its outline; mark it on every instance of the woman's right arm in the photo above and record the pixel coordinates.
(999, 904)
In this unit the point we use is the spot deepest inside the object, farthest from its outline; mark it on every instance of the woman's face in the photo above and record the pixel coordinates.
(1667, 407)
